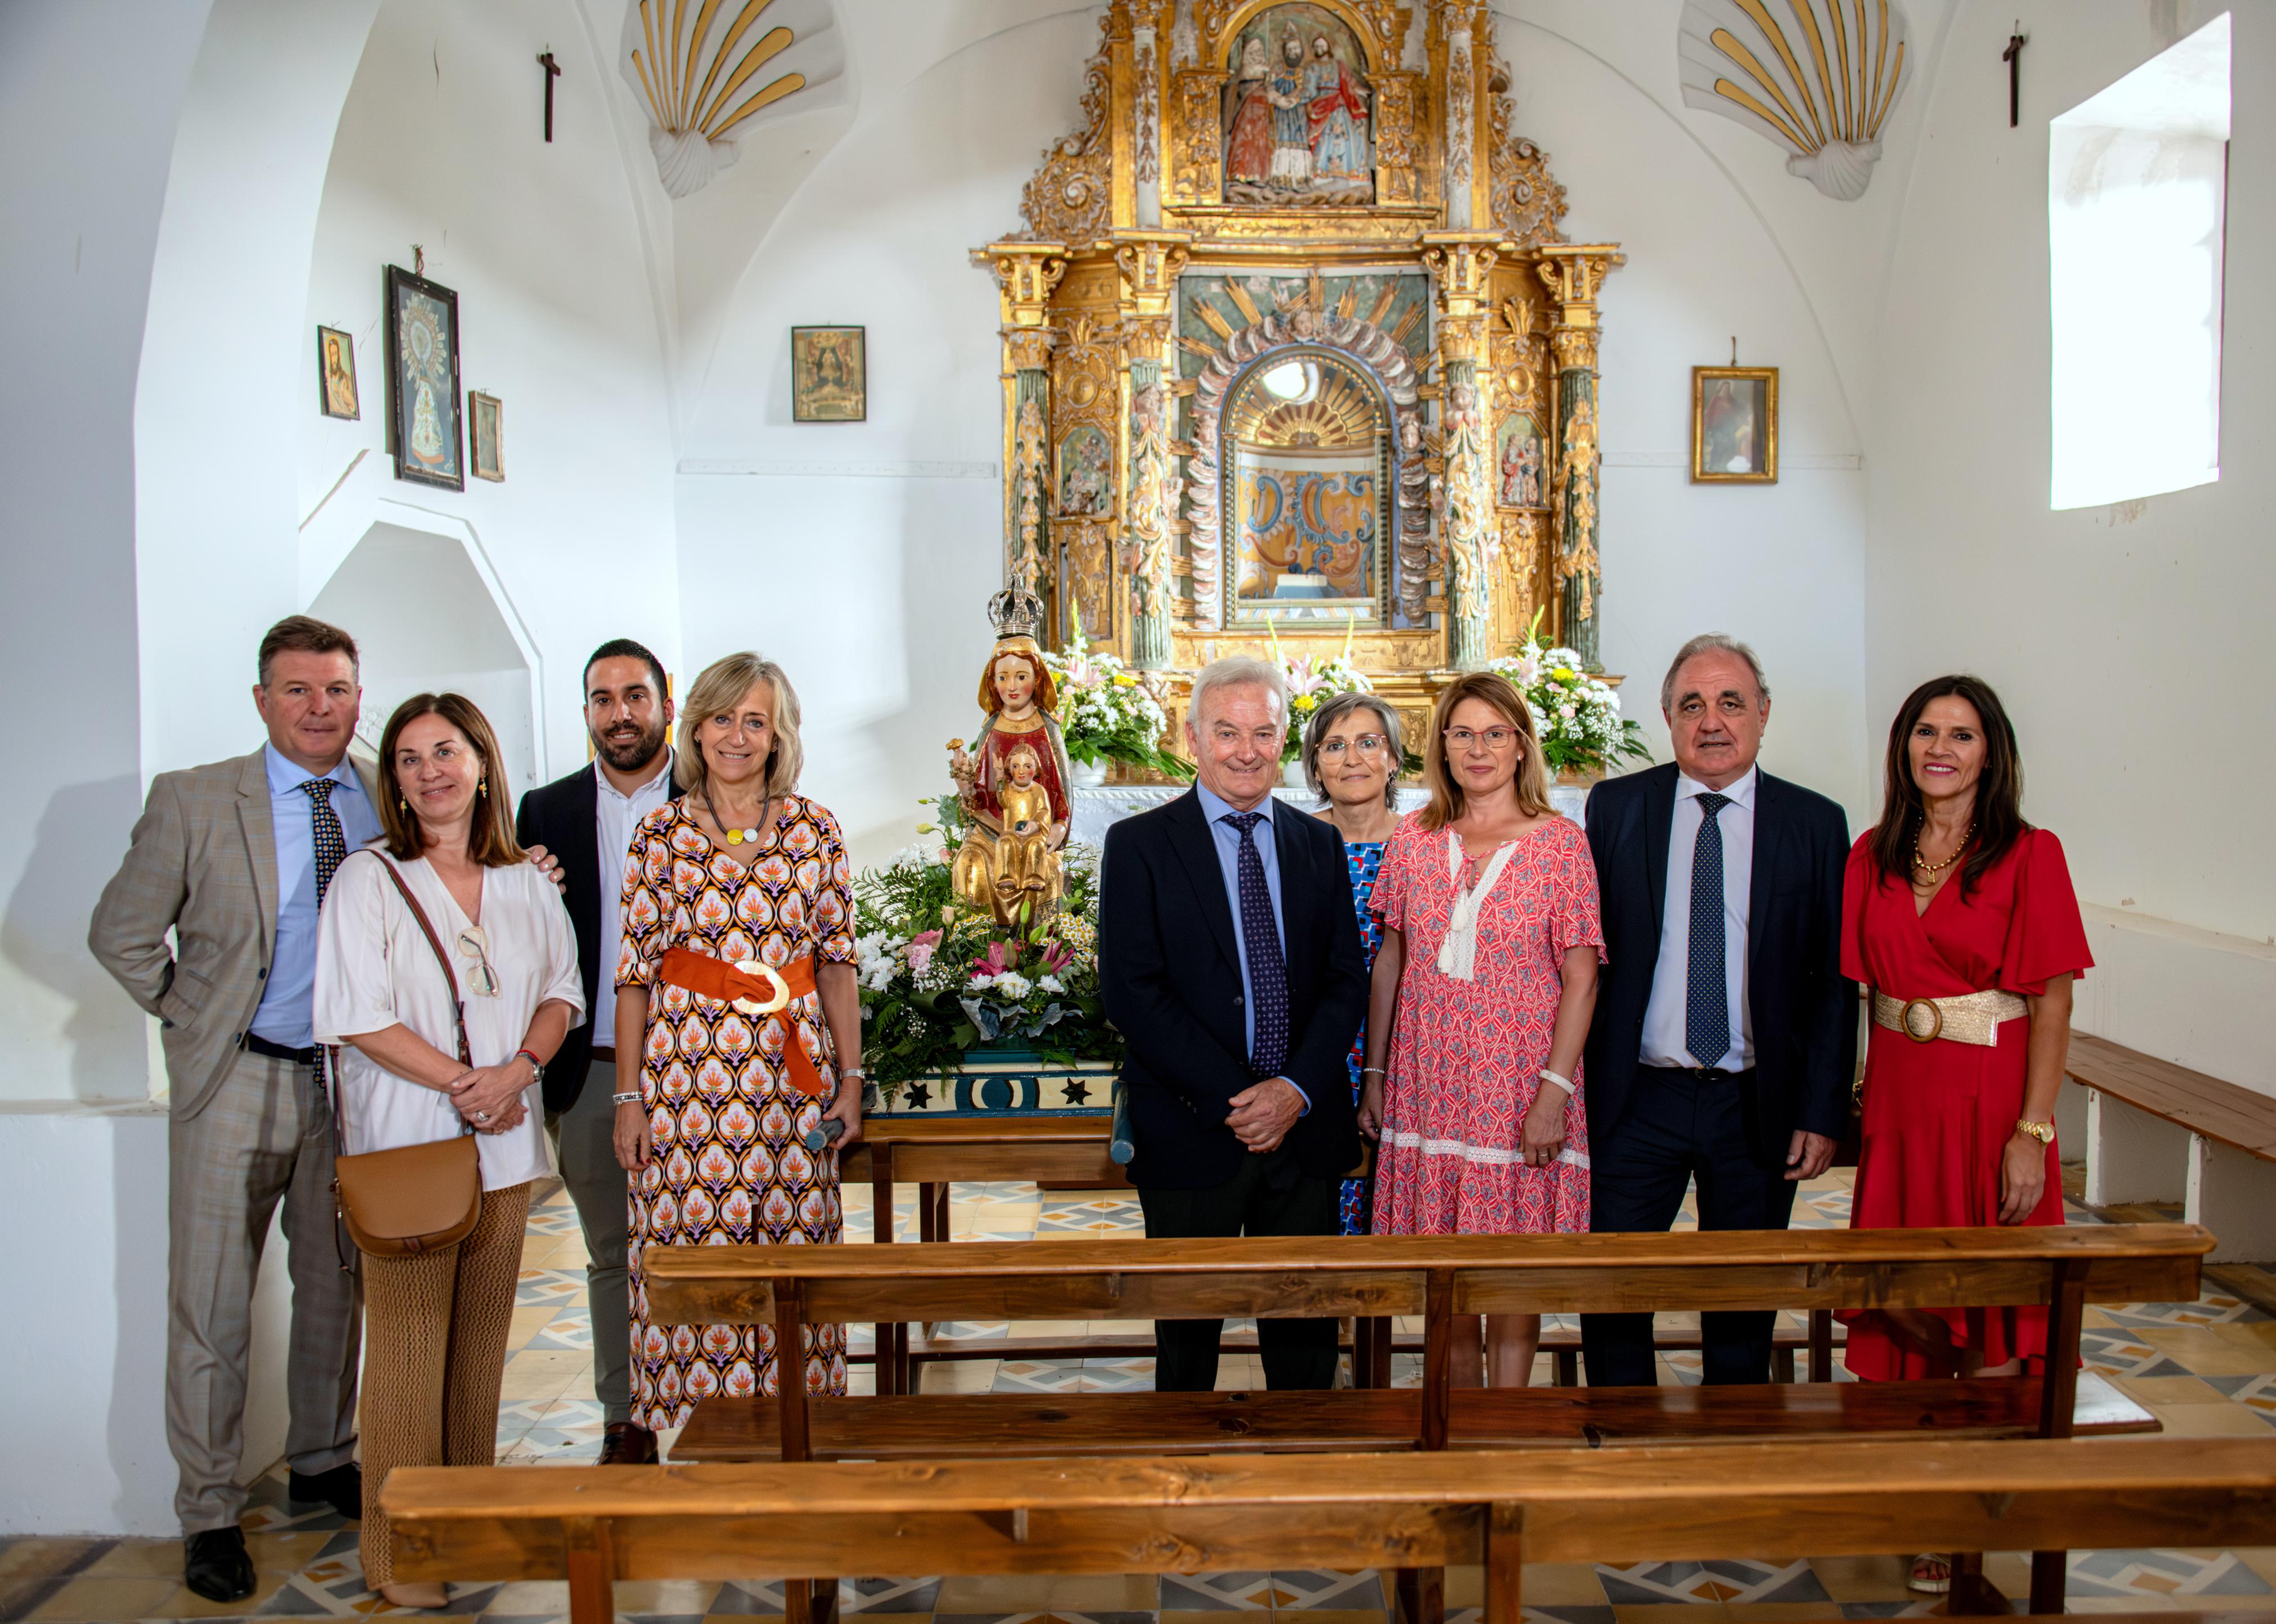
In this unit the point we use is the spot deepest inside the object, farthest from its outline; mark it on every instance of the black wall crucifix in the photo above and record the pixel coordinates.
(2012, 56)
(552, 71)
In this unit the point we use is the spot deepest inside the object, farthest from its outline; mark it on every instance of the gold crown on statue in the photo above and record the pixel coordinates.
(1016, 612)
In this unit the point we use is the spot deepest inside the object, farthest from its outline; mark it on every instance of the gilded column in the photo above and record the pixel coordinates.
(1025, 273)
(1468, 58)
(1573, 275)
(1460, 261)
(1149, 263)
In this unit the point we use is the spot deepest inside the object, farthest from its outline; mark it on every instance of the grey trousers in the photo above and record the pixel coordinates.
(585, 1148)
(262, 1139)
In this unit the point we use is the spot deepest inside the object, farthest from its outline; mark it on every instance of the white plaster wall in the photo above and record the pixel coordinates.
(2131, 642)
(440, 143)
(871, 587)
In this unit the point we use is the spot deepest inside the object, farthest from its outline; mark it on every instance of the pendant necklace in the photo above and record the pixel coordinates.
(742, 837)
(1931, 869)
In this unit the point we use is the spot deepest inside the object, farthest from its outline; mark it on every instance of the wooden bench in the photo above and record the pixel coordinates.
(1372, 1278)
(2159, 1132)
(593, 1525)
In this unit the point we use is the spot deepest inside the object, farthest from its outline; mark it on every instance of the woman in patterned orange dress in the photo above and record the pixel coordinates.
(1484, 989)
(714, 1097)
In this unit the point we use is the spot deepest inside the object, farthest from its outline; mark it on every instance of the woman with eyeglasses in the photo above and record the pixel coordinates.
(1483, 991)
(1353, 752)
(445, 864)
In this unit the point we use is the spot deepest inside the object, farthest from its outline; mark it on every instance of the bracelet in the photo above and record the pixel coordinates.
(1372, 1071)
(856, 1071)
(1565, 1083)
(536, 1066)
(624, 1099)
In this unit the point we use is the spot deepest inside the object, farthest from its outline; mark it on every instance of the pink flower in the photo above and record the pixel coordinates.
(1056, 957)
(921, 955)
(1002, 956)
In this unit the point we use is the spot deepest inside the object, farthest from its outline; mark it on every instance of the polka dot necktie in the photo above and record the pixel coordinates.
(1707, 1007)
(1268, 972)
(332, 843)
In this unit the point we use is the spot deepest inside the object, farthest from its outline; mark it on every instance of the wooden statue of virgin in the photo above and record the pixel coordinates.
(1007, 864)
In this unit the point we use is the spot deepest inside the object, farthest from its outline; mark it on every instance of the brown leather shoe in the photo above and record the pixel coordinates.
(626, 1445)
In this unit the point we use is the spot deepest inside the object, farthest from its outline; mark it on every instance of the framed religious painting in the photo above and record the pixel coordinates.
(1520, 473)
(485, 433)
(336, 379)
(1734, 425)
(423, 434)
(829, 375)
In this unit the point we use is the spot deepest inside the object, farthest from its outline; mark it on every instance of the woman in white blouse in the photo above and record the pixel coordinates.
(435, 1323)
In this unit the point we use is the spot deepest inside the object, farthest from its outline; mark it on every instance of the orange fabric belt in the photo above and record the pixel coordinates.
(770, 992)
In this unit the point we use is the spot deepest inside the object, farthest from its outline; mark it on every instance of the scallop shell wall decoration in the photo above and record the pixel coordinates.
(709, 72)
(1818, 77)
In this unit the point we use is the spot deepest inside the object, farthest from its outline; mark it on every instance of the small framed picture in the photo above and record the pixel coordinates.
(423, 434)
(829, 375)
(1734, 425)
(484, 436)
(335, 383)
(1520, 464)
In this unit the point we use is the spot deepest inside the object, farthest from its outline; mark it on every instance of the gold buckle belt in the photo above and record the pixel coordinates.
(1974, 1019)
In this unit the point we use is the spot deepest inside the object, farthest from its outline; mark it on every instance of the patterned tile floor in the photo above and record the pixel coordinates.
(2207, 1368)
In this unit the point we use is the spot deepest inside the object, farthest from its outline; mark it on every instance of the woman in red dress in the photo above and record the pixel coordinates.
(1961, 918)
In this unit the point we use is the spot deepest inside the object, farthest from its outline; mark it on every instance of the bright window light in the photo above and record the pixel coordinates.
(1289, 380)
(2136, 193)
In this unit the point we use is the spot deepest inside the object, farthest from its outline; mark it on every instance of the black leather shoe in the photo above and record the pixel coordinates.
(623, 1444)
(341, 1488)
(217, 1565)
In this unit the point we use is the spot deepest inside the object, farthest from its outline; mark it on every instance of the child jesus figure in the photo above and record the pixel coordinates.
(1025, 860)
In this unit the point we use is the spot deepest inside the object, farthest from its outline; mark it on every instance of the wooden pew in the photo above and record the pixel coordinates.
(2156, 1131)
(594, 1525)
(1373, 1278)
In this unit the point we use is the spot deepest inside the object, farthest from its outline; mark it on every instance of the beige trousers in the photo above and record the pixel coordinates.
(434, 1332)
(264, 1139)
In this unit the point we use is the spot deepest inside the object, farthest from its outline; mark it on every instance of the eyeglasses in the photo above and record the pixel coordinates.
(482, 981)
(1494, 738)
(1368, 745)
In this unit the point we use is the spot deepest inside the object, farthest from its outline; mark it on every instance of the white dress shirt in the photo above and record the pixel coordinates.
(1664, 1039)
(374, 970)
(615, 816)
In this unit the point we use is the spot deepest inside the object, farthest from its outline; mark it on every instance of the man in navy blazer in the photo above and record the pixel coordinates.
(585, 821)
(1724, 1038)
(1230, 959)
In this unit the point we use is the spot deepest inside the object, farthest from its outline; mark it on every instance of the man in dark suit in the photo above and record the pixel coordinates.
(1725, 1036)
(1230, 958)
(585, 823)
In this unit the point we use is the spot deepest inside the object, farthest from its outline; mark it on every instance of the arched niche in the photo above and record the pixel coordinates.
(427, 618)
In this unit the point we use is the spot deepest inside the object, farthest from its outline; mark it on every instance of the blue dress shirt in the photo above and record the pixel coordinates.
(1228, 838)
(283, 1016)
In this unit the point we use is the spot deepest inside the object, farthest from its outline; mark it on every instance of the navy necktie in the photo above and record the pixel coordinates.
(1707, 1006)
(1268, 972)
(331, 844)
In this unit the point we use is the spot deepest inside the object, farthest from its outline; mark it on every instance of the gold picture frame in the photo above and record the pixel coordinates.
(829, 375)
(1734, 425)
(485, 436)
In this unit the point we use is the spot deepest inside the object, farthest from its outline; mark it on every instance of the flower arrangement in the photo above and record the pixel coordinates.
(1106, 712)
(1313, 682)
(937, 977)
(1577, 713)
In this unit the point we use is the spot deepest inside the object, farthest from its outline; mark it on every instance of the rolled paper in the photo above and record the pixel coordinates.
(824, 1135)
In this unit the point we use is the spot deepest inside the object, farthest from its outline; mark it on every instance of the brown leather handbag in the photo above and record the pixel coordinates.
(417, 1198)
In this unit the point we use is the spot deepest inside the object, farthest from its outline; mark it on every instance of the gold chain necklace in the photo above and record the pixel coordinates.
(1931, 869)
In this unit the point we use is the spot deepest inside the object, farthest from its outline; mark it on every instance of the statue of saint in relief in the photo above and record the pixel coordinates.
(1013, 785)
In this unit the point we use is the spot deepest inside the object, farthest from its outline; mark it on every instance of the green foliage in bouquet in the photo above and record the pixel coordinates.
(1575, 713)
(937, 978)
(1106, 712)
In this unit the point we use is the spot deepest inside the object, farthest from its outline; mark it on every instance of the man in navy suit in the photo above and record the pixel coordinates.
(1230, 958)
(1724, 1038)
(586, 821)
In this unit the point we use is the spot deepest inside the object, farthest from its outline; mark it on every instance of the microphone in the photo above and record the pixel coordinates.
(1121, 1145)
(824, 1135)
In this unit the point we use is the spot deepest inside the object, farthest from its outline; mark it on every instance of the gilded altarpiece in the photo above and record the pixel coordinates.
(1296, 352)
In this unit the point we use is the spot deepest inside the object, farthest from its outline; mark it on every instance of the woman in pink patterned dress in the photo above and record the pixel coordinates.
(1483, 991)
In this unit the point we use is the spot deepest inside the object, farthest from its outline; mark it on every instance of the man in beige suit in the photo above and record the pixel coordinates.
(233, 860)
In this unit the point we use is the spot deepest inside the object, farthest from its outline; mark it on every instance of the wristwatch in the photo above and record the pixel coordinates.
(2044, 1132)
(536, 1066)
